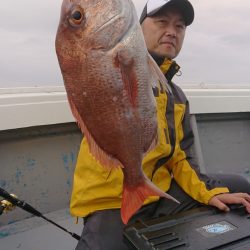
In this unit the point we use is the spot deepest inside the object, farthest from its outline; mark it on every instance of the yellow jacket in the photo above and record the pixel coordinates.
(95, 188)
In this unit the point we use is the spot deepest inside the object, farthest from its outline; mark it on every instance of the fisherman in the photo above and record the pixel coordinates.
(171, 165)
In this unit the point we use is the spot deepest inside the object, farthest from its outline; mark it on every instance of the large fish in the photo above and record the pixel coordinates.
(108, 76)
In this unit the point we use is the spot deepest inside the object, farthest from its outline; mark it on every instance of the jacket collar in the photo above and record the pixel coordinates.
(168, 67)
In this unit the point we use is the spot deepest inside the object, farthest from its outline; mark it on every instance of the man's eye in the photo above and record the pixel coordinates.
(162, 21)
(180, 26)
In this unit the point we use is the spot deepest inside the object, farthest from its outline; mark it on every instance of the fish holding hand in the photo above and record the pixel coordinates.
(108, 75)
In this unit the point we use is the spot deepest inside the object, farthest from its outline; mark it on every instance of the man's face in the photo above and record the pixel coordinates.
(164, 33)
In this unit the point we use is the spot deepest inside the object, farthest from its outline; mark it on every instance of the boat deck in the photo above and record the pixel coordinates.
(37, 234)
(39, 150)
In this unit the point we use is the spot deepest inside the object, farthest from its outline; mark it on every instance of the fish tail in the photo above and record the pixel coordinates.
(134, 197)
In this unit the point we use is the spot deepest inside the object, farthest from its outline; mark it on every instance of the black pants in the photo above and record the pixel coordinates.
(103, 230)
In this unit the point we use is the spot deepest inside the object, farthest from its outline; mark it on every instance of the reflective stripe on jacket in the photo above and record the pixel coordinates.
(95, 188)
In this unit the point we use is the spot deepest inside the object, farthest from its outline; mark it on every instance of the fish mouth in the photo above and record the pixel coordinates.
(107, 23)
(126, 17)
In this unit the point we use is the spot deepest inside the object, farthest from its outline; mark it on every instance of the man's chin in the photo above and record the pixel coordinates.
(166, 55)
(169, 54)
(163, 54)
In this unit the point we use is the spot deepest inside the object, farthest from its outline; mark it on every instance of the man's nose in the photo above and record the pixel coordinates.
(170, 31)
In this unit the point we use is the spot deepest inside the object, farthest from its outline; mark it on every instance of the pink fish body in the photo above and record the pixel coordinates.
(108, 76)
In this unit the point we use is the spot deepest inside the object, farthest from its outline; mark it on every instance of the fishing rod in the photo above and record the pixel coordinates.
(12, 200)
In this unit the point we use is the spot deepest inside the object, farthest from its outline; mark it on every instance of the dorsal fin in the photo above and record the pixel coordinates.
(155, 69)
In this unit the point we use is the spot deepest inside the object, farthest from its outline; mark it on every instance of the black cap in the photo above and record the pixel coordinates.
(153, 6)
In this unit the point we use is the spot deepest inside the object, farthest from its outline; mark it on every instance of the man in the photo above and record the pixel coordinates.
(171, 165)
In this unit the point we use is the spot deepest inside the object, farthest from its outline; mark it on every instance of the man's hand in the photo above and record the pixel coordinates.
(222, 200)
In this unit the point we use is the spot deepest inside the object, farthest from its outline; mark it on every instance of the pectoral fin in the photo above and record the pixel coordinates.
(125, 62)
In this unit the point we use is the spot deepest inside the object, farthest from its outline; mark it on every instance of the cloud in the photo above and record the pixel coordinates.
(27, 51)
(215, 50)
(139, 5)
(217, 43)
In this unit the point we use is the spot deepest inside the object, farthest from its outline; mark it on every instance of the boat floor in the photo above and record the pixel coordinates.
(37, 234)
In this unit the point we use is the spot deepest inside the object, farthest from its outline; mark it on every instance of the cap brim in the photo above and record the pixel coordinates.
(184, 6)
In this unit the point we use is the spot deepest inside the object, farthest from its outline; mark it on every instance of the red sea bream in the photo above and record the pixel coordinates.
(108, 76)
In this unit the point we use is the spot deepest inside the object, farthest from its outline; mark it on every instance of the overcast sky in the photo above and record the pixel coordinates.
(216, 48)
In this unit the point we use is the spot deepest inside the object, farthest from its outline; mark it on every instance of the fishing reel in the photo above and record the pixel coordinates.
(11, 201)
(6, 206)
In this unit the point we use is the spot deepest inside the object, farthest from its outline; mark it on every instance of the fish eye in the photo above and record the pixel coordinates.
(76, 16)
